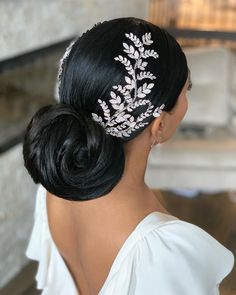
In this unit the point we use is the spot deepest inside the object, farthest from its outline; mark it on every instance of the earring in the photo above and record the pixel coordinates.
(159, 140)
(153, 143)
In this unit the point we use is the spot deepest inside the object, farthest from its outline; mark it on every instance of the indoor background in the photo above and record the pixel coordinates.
(193, 174)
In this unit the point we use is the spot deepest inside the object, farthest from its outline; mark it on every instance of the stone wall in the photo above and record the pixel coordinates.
(16, 212)
(35, 24)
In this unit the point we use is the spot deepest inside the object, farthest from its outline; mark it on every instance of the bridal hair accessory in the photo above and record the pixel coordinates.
(128, 97)
(121, 123)
(61, 65)
(65, 56)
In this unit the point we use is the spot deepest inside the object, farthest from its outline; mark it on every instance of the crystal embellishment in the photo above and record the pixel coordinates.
(125, 98)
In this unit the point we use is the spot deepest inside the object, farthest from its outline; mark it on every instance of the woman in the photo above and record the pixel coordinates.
(99, 229)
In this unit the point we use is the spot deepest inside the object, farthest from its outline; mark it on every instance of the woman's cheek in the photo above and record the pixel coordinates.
(185, 107)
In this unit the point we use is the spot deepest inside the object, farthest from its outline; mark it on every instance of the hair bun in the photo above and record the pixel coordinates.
(70, 154)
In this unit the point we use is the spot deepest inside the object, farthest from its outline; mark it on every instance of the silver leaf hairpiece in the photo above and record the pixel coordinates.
(122, 123)
(61, 64)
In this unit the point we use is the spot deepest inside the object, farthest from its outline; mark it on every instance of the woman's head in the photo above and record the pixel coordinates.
(113, 82)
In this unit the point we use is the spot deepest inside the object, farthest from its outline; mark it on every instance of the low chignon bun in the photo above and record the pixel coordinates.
(70, 154)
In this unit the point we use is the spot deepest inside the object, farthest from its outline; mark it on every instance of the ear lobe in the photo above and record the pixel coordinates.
(155, 126)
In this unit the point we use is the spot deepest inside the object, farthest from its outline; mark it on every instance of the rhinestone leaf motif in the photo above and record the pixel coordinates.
(124, 99)
(61, 64)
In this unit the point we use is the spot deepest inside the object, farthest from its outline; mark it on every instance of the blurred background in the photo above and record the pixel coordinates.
(193, 174)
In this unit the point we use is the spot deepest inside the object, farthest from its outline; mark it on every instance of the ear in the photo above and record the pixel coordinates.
(157, 126)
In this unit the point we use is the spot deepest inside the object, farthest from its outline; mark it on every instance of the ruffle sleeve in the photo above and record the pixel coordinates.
(180, 258)
(52, 276)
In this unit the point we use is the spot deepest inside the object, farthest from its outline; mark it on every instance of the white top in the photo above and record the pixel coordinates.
(163, 255)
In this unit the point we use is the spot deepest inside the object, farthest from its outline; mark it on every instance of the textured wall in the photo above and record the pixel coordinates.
(39, 23)
(16, 212)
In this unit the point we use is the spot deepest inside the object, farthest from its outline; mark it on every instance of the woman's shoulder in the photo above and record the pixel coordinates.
(180, 252)
(170, 256)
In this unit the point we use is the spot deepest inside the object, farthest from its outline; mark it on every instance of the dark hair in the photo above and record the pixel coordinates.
(64, 149)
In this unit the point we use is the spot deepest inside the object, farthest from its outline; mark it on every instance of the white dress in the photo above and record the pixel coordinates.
(162, 256)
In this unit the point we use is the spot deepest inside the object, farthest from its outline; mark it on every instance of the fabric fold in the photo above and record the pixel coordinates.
(180, 258)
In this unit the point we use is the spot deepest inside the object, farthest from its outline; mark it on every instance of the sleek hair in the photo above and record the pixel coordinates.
(64, 149)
